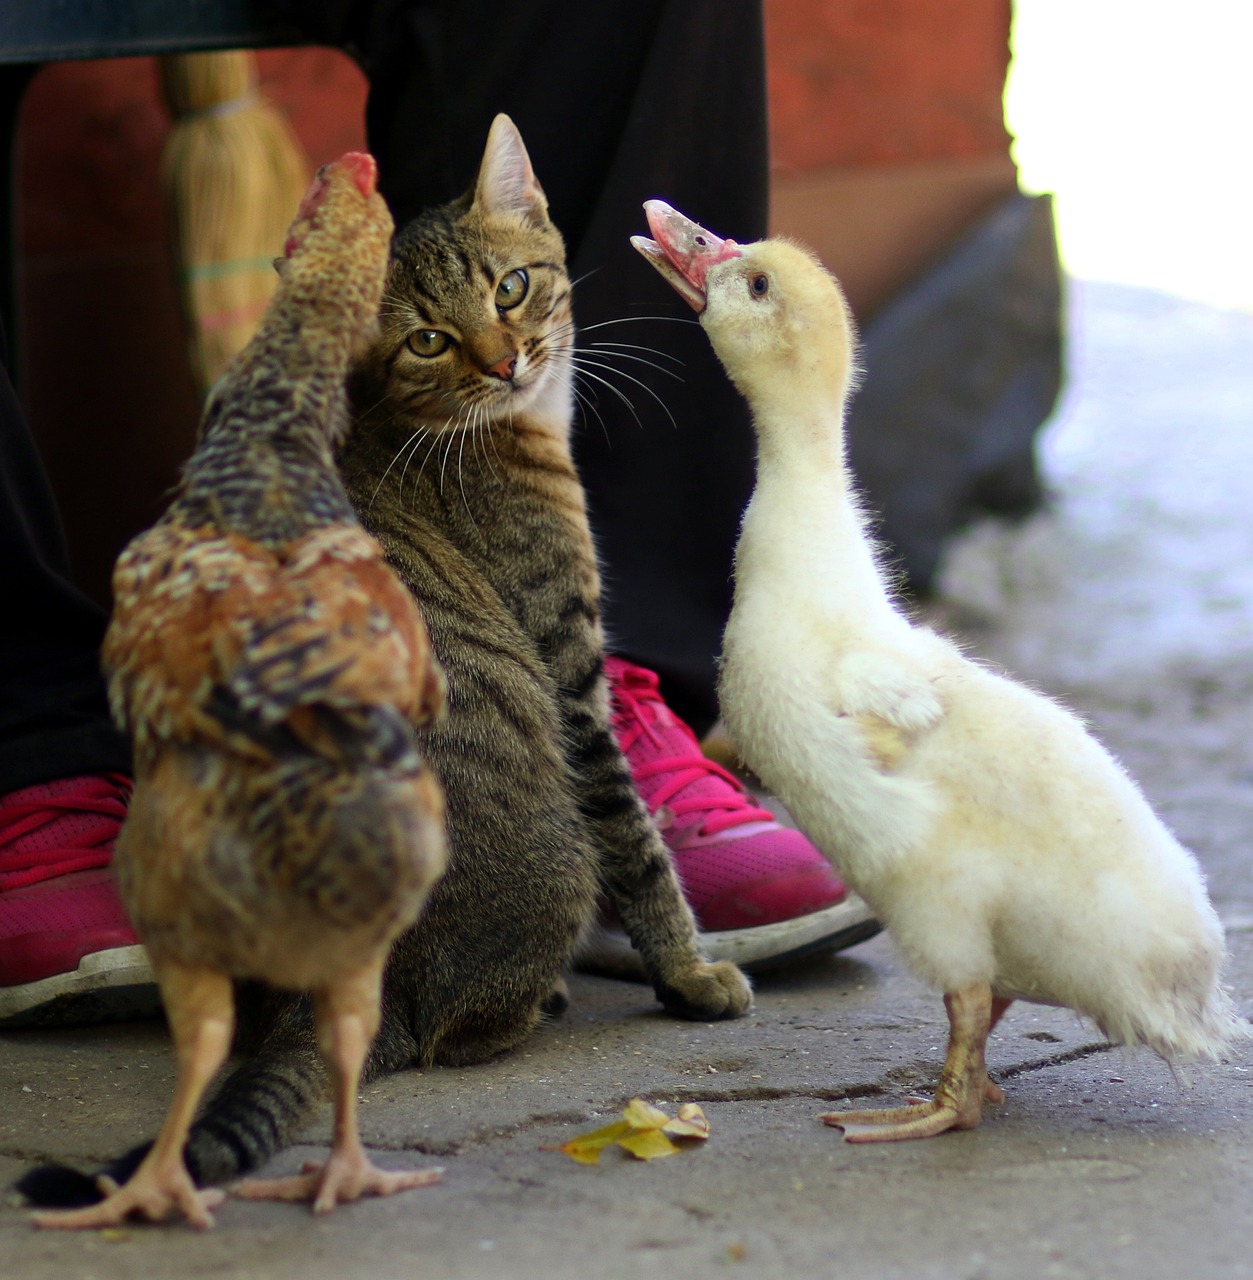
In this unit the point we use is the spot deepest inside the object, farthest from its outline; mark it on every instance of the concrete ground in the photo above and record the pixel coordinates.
(1132, 599)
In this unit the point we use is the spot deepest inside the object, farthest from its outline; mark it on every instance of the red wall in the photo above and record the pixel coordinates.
(855, 85)
(104, 375)
(876, 82)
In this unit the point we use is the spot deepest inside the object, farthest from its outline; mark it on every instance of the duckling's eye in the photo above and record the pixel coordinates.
(512, 289)
(428, 342)
(760, 285)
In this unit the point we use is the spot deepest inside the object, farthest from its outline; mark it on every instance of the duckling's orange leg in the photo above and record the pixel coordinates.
(964, 1085)
(347, 1017)
(200, 1006)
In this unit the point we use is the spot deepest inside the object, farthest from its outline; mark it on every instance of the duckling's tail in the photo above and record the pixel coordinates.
(1189, 1018)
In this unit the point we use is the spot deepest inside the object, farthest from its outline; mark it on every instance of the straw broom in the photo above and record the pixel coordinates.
(233, 173)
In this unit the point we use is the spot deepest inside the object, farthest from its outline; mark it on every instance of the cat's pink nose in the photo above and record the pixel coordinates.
(504, 369)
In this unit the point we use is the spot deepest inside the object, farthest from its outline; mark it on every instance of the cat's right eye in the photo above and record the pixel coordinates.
(428, 342)
(512, 289)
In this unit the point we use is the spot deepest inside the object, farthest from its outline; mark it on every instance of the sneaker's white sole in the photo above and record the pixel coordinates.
(106, 986)
(609, 952)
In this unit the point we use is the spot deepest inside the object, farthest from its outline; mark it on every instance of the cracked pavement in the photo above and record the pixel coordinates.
(1133, 600)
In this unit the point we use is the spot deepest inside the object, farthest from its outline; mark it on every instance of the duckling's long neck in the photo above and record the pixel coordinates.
(804, 527)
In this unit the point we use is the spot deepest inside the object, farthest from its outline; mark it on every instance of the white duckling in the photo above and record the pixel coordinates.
(1006, 851)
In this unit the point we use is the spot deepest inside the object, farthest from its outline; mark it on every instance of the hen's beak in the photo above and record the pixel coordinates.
(683, 251)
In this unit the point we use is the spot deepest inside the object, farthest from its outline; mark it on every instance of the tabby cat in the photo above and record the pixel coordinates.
(459, 463)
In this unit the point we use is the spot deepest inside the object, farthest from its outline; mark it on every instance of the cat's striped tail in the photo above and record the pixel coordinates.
(250, 1118)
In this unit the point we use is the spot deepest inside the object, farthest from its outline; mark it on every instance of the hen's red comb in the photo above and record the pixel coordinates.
(364, 170)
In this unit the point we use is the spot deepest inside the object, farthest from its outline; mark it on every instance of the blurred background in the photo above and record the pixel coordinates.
(1137, 115)
(935, 173)
(1136, 579)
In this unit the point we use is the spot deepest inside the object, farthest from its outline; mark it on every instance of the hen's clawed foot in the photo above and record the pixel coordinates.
(707, 992)
(148, 1195)
(339, 1179)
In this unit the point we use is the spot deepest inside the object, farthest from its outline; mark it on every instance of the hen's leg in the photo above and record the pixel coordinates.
(347, 1016)
(964, 1085)
(200, 1006)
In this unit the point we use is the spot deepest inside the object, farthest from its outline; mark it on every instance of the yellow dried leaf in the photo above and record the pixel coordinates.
(644, 1131)
(691, 1123)
(648, 1144)
(587, 1147)
(643, 1115)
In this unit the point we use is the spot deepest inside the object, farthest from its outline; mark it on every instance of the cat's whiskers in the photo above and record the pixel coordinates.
(584, 362)
(454, 426)
(489, 436)
(392, 463)
(588, 405)
(638, 346)
(366, 411)
(625, 350)
(432, 431)
(609, 349)
(605, 324)
(587, 275)
(581, 372)
(423, 435)
(476, 421)
(486, 435)
(601, 356)
(474, 417)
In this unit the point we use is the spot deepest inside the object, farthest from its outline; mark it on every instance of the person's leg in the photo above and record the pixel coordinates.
(66, 947)
(618, 102)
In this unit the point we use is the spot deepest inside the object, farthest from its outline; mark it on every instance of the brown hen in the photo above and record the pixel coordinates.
(271, 670)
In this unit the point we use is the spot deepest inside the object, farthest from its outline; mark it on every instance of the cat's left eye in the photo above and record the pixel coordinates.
(512, 289)
(428, 342)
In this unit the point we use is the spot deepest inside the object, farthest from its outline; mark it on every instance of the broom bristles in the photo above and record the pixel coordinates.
(234, 174)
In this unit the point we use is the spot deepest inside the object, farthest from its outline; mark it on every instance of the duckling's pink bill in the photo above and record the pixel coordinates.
(683, 251)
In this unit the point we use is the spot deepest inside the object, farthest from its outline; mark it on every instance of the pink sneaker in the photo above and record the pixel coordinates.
(760, 891)
(67, 951)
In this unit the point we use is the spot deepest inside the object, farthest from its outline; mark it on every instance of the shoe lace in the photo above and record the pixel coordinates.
(638, 707)
(98, 802)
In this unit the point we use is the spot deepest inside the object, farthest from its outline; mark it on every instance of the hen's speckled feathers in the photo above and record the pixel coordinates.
(271, 670)
(258, 648)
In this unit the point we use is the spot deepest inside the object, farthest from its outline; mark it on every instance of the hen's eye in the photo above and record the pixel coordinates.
(760, 285)
(512, 289)
(428, 342)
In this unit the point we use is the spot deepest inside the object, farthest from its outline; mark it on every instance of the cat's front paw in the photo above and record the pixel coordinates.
(707, 992)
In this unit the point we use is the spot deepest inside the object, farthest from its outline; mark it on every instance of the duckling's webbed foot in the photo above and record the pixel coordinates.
(964, 1085)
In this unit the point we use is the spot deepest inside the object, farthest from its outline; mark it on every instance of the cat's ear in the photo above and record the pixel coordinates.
(506, 181)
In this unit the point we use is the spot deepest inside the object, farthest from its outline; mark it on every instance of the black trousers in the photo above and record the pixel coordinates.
(54, 720)
(617, 102)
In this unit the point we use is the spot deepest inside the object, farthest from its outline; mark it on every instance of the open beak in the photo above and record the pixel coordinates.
(682, 250)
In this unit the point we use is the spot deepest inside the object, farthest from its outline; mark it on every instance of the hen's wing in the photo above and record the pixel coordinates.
(218, 639)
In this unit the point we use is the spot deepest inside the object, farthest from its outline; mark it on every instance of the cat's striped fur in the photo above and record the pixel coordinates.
(459, 464)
